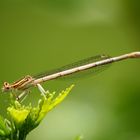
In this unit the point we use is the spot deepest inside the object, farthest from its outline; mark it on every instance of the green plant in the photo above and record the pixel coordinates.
(23, 119)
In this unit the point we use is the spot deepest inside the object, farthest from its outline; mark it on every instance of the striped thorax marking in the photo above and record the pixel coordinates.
(18, 85)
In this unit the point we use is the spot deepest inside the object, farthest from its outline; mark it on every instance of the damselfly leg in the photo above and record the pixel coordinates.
(23, 95)
(42, 90)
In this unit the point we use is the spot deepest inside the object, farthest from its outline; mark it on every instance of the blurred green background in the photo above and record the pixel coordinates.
(38, 35)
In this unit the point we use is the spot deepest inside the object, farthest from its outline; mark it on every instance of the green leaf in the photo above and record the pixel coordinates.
(23, 118)
(48, 104)
(18, 113)
(4, 130)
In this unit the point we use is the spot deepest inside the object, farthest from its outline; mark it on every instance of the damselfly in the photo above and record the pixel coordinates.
(28, 81)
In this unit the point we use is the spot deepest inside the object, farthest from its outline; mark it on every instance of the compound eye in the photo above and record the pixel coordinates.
(6, 84)
(7, 87)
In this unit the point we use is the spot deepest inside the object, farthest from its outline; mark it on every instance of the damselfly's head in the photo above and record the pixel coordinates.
(6, 87)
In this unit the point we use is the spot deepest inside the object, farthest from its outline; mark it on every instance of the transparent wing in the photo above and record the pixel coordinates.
(89, 60)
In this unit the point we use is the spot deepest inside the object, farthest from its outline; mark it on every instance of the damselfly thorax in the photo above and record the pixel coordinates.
(21, 84)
